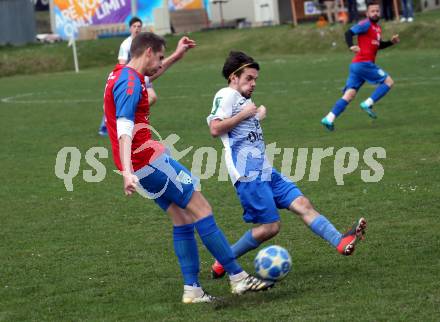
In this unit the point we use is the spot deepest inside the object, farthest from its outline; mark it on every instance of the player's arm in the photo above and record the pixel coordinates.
(152, 96)
(357, 29)
(261, 112)
(349, 40)
(219, 126)
(126, 96)
(183, 46)
(130, 180)
(385, 44)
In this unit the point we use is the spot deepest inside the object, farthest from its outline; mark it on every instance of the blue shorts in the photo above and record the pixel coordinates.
(262, 198)
(167, 181)
(361, 72)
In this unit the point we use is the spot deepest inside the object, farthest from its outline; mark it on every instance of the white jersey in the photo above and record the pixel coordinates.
(244, 145)
(124, 50)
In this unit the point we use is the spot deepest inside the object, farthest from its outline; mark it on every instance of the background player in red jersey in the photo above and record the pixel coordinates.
(145, 165)
(363, 67)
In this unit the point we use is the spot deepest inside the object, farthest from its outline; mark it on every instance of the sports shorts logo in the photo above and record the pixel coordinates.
(381, 72)
(183, 177)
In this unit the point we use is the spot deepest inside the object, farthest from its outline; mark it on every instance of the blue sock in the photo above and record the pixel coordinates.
(322, 227)
(380, 92)
(245, 244)
(339, 106)
(102, 123)
(185, 247)
(214, 240)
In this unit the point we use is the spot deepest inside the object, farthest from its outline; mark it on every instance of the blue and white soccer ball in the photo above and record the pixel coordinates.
(273, 263)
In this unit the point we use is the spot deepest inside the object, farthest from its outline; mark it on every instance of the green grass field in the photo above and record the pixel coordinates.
(93, 254)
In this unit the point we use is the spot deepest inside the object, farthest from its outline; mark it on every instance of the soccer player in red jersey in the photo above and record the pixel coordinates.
(145, 165)
(363, 67)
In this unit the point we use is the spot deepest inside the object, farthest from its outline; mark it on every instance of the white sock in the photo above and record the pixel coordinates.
(196, 290)
(369, 102)
(331, 117)
(238, 277)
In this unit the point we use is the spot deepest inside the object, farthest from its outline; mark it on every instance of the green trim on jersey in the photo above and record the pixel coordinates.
(217, 105)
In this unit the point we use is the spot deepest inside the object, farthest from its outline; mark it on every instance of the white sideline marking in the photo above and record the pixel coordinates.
(13, 100)
(26, 97)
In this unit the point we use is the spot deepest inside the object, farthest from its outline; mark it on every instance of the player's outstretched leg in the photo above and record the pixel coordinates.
(378, 93)
(321, 226)
(367, 106)
(245, 244)
(217, 270)
(250, 240)
(185, 248)
(348, 241)
(241, 284)
(195, 294)
(339, 107)
(215, 241)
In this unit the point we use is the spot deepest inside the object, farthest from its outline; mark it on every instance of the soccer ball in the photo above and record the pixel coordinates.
(273, 263)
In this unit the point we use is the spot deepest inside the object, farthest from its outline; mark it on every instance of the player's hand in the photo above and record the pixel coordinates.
(184, 44)
(261, 112)
(249, 110)
(130, 183)
(355, 49)
(395, 39)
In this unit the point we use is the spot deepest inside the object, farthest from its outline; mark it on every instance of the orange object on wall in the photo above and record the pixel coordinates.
(185, 4)
(343, 17)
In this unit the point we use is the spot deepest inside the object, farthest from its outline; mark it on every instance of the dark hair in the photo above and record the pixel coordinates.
(144, 40)
(372, 3)
(133, 21)
(234, 64)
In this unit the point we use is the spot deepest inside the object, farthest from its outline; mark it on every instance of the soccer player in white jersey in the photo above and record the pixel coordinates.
(262, 190)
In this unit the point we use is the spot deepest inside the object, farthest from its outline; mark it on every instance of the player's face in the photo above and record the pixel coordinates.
(245, 84)
(373, 13)
(135, 29)
(154, 61)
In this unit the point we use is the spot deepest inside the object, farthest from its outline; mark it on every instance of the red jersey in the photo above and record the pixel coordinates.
(126, 97)
(369, 36)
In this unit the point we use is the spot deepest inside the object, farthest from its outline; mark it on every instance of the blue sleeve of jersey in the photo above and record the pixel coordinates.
(127, 94)
(361, 27)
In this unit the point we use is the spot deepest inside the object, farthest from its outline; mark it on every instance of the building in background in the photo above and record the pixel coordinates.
(17, 22)
(255, 12)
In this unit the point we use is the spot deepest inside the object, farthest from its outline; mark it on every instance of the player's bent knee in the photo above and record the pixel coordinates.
(275, 228)
(179, 216)
(349, 95)
(302, 205)
(199, 206)
(271, 230)
(389, 81)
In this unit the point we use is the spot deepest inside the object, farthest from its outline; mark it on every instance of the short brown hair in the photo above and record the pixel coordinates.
(236, 62)
(145, 40)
